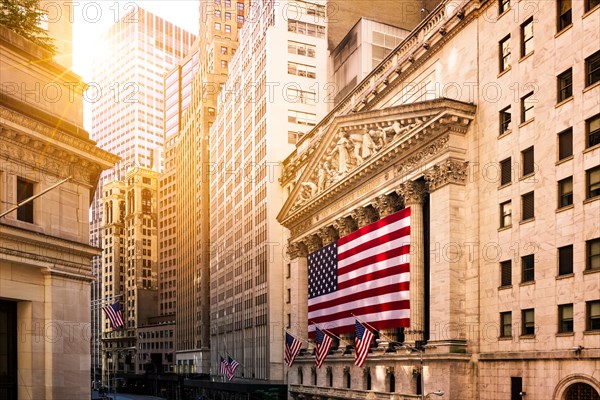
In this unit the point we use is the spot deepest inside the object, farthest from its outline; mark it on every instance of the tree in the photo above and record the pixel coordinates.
(24, 17)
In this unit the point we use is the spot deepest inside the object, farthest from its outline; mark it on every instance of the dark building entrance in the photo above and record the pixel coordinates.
(8, 350)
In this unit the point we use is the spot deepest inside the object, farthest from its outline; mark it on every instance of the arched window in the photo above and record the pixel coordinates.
(581, 391)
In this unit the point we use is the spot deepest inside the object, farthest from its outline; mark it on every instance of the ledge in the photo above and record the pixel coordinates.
(565, 101)
(590, 149)
(563, 30)
(565, 208)
(565, 276)
(505, 134)
(526, 56)
(591, 87)
(564, 160)
(505, 71)
(530, 120)
(591, 10)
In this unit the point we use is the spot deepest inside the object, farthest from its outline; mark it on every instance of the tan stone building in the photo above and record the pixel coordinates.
(45, 268)
(487, 120)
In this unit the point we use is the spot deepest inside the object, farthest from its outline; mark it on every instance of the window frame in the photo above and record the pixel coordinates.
(527, 324)
(565, 199)
(564, 91)
(592, 324)
(504, 215)
(527, 269)
(589, 72)
(504, 324)
(591, 257)
(562, 320)
(503, 6)
(563, 133)
(524, 198)
(505, 122)
(525, 110)
(592, 189)
(26, 212)
(506, 266)
(527, 162)
(561, 24)
(525, 41)
(593, 135)
(506, 171)
(589, 6)
(504, 58)
(560, 253)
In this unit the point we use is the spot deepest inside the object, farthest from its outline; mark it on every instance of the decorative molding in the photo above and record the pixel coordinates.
(328, 235)
(423, 155)
(296, 250)
(386, 204)
(364, 216)
(412, 192)
(313, 243)
(448, 171)
(345, 226)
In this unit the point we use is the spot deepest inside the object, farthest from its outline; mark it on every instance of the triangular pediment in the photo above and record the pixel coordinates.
(355, 144)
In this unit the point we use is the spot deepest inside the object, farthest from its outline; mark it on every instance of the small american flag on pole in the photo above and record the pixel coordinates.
(114, 314)
(292, 348)
(324, 342)
(364, 337)
(233, 365)
(364, 274)
(223, 366)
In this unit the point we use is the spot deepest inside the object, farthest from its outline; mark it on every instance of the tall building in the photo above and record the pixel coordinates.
(128, 111)
(499, 164)
(270, 100)
(219, 25)
(44, 252)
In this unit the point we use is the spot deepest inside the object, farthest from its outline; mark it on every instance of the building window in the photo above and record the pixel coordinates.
(506, 324)
(527, 161)
(505, 171)
(505, 53)
(505, 118)
(528, 322)
(223, 64)
(593, 182)
(24, 192)
(227, 28)
(240, 19)
(503, 6)
(302, 49)
(565, 260)
(516, 388)
(565, 318)
(223, 50)
(240, 6)
(527, 206)
(593, 254)
(527, 103)
(227, 16)
(218, 13)
(565, 15)
(592, 68)
(505, 214)
(217, 26)
(593, 315)
(528, 265)
(590, 4)
(527, 37)
(302, 118)
(506, 273)
(565, 144)
(565, 192)
(565, 85)
(308, 71)
(592, 128)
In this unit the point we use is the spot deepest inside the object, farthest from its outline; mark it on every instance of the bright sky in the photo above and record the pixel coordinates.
(92, 18)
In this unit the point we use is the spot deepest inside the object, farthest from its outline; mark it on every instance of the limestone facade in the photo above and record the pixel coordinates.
(432, 128)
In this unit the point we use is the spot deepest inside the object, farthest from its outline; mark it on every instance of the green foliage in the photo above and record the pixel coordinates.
(23, 17)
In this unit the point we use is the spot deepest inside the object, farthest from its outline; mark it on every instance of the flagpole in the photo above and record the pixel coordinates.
(331, 334)
(376, 330)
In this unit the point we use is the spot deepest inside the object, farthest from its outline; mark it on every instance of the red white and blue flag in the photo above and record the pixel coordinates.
(363, 339)
(114, 314)
(233, 365)
(223, 366)
(364, 274)
(323, 345)
(292, 348)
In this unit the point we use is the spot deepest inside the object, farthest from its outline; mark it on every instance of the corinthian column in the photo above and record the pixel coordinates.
(413, 194)
(297, 253)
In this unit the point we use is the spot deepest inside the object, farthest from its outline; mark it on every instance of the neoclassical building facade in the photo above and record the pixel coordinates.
(499, 164)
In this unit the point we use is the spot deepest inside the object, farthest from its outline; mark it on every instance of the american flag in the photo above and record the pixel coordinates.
(364, 274)
(223, 366)
(324, 342)
(364, 337)
(292, 348)
(232, 367)
(114, 314)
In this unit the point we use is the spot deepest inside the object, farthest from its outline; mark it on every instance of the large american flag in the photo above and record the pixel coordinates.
(292, 348)
(365, 275)
(114, 314)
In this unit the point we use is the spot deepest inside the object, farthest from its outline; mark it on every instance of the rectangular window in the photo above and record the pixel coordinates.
(223, 50)
(240, 6)
(503, 6)
(506, 324)
(228, 28)
(592, 128)
(593, 182)
(302, 49)
(527, 161)
(564, 14)
(592, 68)
(565, 85)
(227, 16)
(565, 192)
(506, 273)
(565, 318)
(223, 64)
(300, 96)
(593, 315)
(527, 206)
(527, 37)
(504, 47)
(565, 260)
(302, 118)
(505, 171)
(528, 322)
(308, 71)
(217, 26)
(24, 191)
(590, 4)
(592, 254)
(528, 265)
(240, 19)
(505, 214)
(505, 118)
(527, 103)
(516, 388)
(217, 13)
(565, 144)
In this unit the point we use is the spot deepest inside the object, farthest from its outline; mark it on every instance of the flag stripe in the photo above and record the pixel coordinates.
(342, 311)
(401, 261)
(375, 245)
(390, 220)
(380, 320)
(360, 299)
(376, 275)
(381, 253)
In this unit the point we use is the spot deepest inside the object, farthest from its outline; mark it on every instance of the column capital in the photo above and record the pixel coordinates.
(344, 226)
(413, 192)
(313, 243)
(327, 234)
(386, 204)
(447, 171)
(364, 216)
(296, 249)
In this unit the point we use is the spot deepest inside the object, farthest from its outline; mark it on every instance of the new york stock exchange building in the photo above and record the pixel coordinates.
(485, 122)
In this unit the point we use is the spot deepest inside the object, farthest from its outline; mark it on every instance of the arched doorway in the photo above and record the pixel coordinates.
(581, 391)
